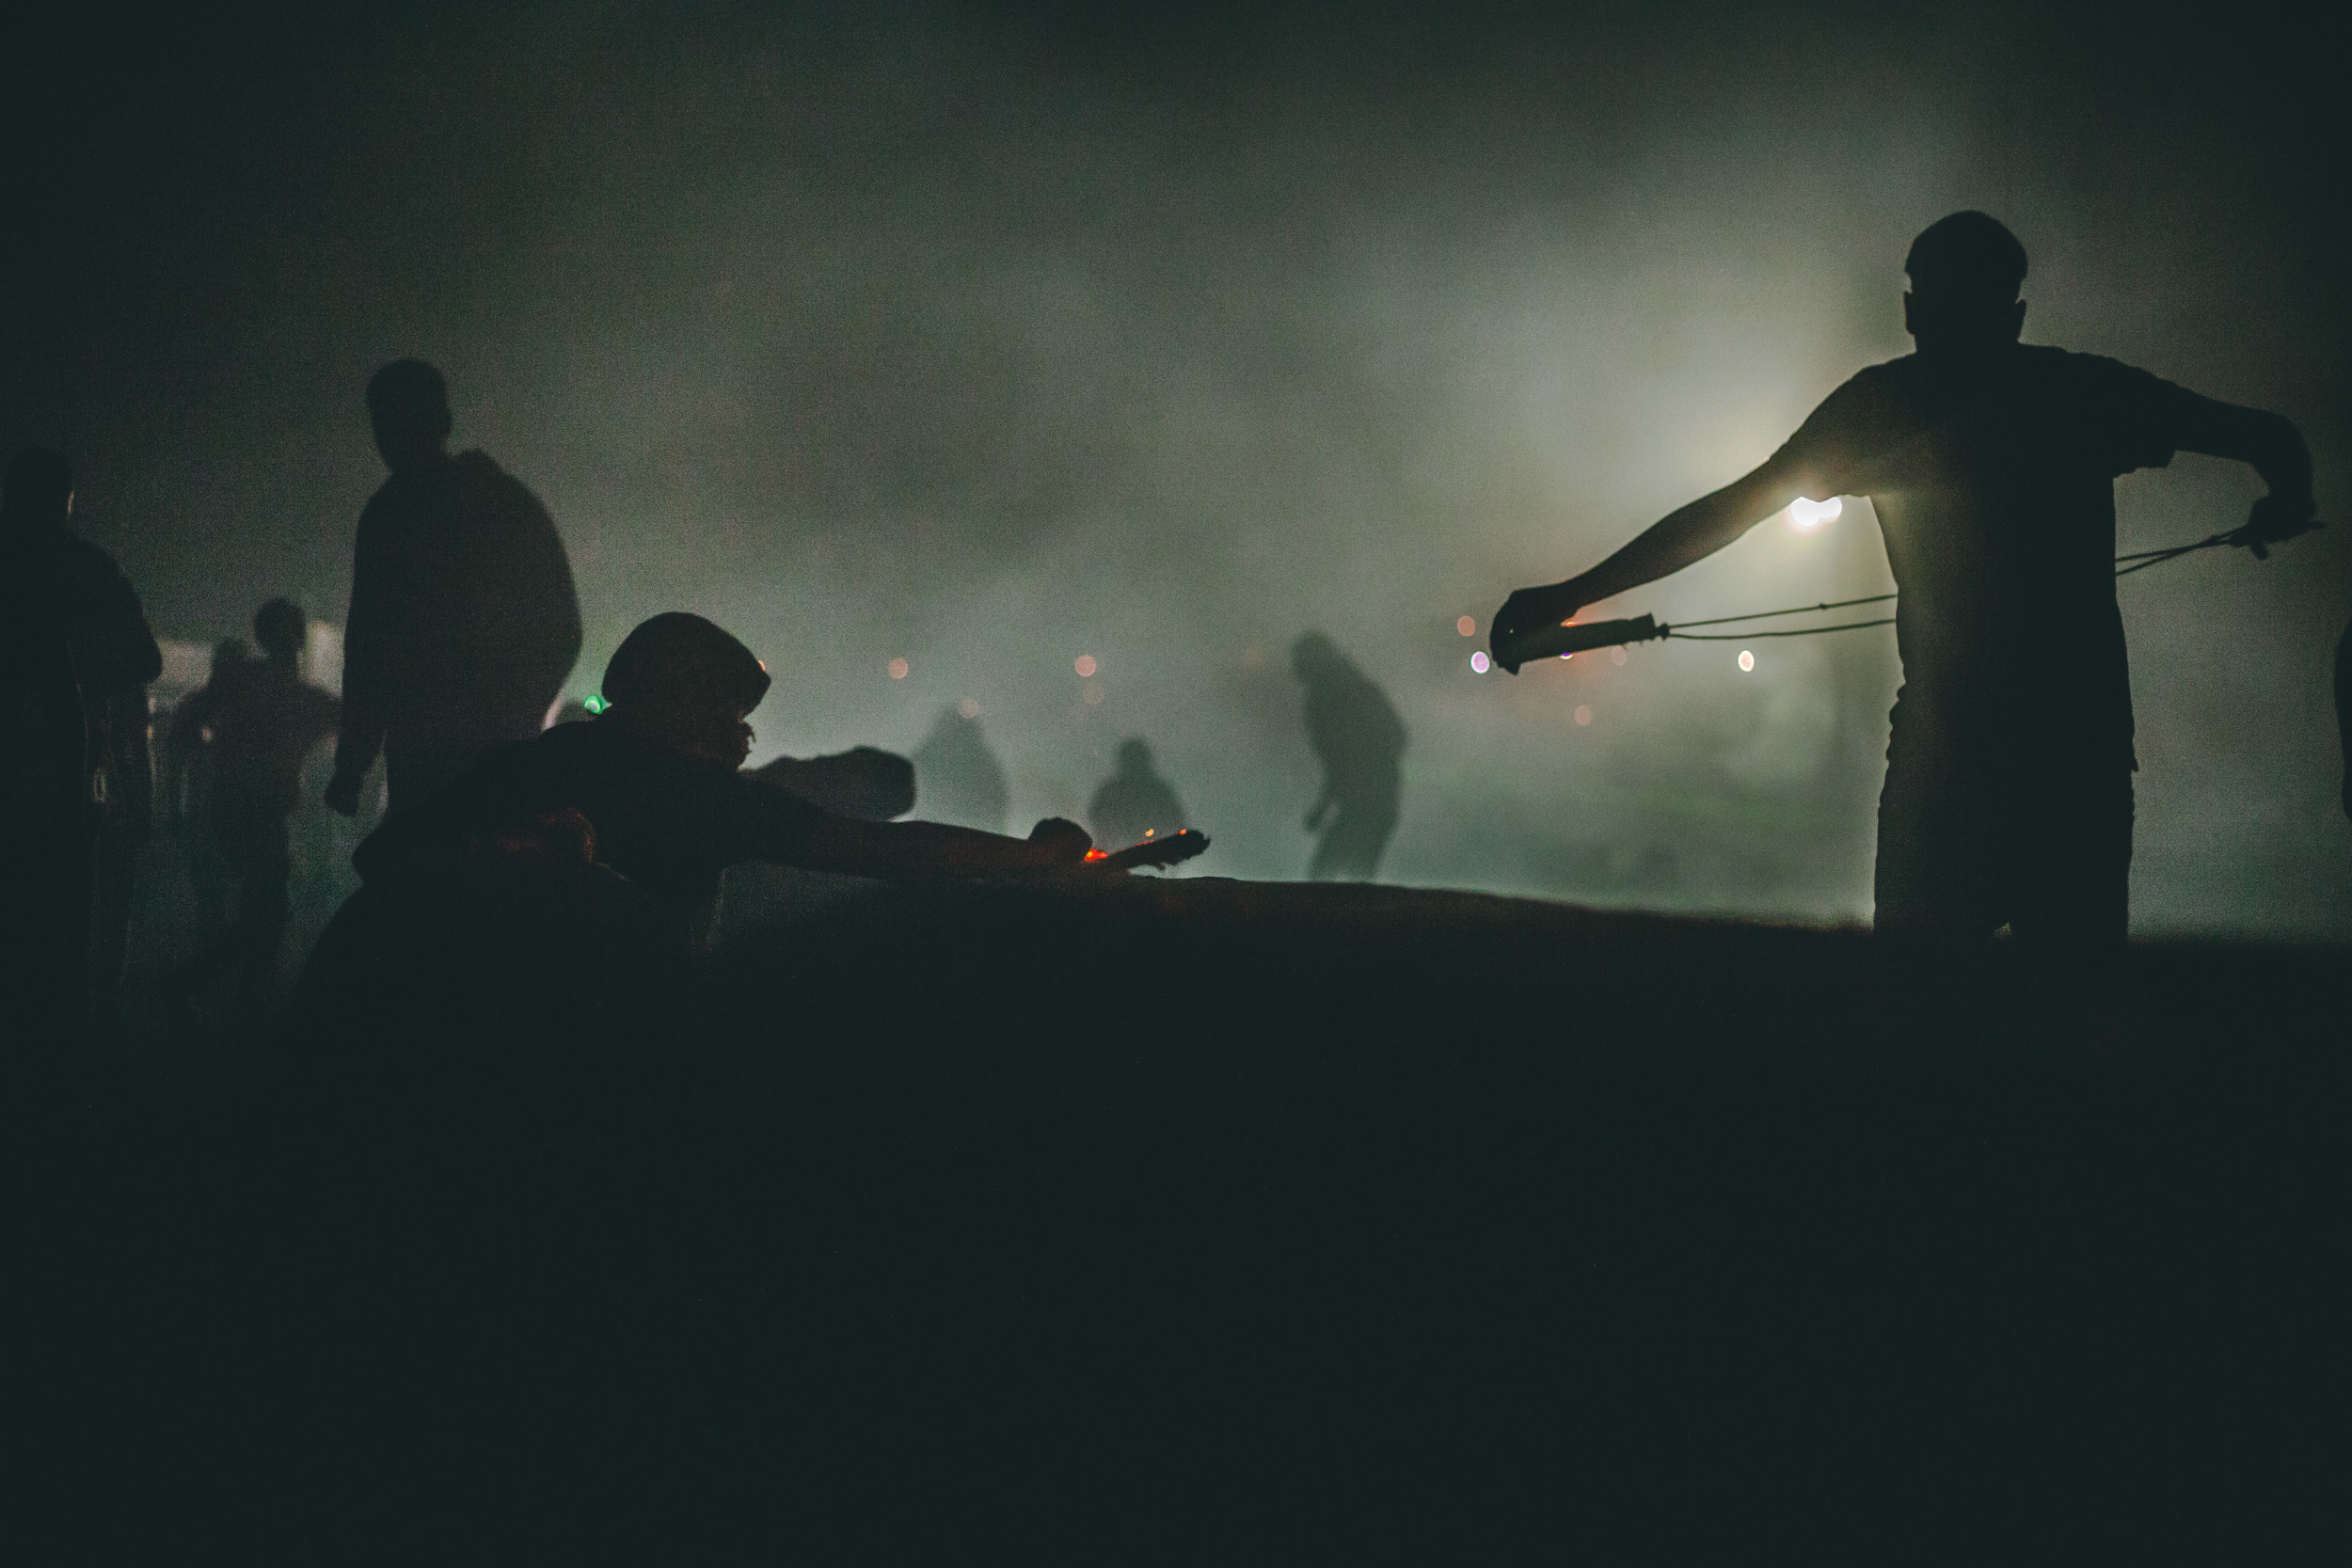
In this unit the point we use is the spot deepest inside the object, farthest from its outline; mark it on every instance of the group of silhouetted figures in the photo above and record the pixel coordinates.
(464, 624)
(2007, 799)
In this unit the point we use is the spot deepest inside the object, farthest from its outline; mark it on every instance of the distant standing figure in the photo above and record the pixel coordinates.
(1360, 742)
(958, 779)
(1134, 801)
(77, 603)
(75, 638)
(259, 721)
(186, 763)
(464, 623)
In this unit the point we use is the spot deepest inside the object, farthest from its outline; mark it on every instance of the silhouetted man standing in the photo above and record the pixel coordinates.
(259, 719)
(1990, 465)
(1134, 801)
(1360, 742)
(87, 660)
(463, 621)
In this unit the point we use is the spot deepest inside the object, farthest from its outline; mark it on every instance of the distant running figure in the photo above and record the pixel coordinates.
(1360, 742)
(1135, 803)
(464, 623)
(1991, 467)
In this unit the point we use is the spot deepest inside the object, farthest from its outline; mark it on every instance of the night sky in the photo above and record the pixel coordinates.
(987, 336)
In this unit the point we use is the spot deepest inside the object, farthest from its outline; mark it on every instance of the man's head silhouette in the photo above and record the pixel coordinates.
(279, 627)
(1314, 654)
(689, 685)
(39, 490)
(1966, 271)
(408, 403)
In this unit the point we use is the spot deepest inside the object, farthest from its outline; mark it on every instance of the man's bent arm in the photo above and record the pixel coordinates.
(2269, 442)
(1682, 537)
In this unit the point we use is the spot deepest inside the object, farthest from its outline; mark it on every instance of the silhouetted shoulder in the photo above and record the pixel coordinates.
(2122, 417)
(664, 818)
(1877, 406)
(479, 474)
(2060, 411)
(109, 629)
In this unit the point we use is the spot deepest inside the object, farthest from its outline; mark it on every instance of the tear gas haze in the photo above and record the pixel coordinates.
(922, 348)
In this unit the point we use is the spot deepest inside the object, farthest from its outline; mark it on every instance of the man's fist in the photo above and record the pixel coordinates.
(342, 796)
(1528, 610)
(2275, 517)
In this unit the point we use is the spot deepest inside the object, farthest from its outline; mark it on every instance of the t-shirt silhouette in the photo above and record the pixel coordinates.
(668, 821)
(464, 621)
(260, 721)
(1994, 488)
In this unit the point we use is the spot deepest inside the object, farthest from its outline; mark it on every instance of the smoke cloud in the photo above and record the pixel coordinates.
(984, 341)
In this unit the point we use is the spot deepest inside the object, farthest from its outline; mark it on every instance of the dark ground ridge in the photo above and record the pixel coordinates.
(1205, 1201)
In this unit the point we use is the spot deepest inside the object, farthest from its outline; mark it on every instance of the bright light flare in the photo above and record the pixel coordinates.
(1805, 515)
(1479, 663)
(1085, 666)
(1747, 661)
(1467, 626)
(897, 668)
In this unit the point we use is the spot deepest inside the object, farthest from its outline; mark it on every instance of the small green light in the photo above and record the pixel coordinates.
(595, 702)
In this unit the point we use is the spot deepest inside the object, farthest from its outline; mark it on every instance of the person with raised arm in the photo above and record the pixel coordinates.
(1990, 464)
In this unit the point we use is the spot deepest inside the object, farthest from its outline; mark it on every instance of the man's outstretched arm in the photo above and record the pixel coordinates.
(1689, 534)
(936, 850)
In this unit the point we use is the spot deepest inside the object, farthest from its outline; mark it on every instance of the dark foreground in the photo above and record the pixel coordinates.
(1205, 1219)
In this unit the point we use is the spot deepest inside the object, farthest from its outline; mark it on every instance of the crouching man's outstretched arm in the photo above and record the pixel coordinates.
(933, 850)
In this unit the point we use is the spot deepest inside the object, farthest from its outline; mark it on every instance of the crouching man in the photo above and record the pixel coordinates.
(653, 789)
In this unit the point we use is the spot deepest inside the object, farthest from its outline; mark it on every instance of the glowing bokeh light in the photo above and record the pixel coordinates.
(969, 707)
(594, 703)
(1094, 693)
(1617, 656)
(1087, 665)
(1803, 514)
(1467, 626)
(897, 668)
(1479, 663)
(1747, 661)
(1583, 715)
